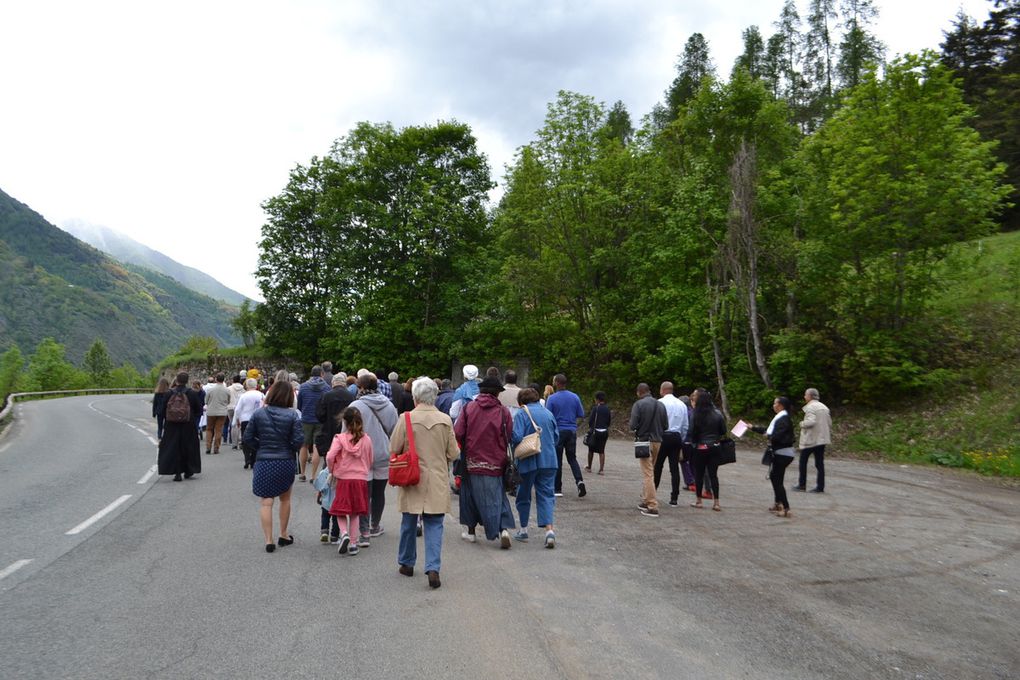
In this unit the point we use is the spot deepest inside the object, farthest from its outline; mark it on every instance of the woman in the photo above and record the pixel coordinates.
(780, 435)
(539, 470)
(598, 428)
(430, 498)
(159, 405)
(548, 392)
(483, 430)
(707, 427)
(275, 434)
(179, 447)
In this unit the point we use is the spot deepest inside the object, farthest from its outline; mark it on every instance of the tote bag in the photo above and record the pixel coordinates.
(404, 467)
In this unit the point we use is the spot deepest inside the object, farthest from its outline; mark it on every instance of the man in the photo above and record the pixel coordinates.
(445, 399)
(815, 433)
(397, 392)
(508, 397)
(378, 418)
(383, 386)
(217, 404)
(566, 407)
(309, 394)
(328, 412)
(327, 372)
(672, 440)
(648, 420)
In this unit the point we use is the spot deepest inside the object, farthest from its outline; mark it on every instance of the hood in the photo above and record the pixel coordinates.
(349, 447)
(374, 400)
(487, 401)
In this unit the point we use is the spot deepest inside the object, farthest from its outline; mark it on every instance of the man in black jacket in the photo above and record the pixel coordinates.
(328, 412)
(648, 420)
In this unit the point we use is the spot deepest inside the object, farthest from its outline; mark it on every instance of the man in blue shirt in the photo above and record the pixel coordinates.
(672, 441)
(566, 407)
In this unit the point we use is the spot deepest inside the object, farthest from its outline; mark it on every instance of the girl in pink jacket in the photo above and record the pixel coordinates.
(350, 462)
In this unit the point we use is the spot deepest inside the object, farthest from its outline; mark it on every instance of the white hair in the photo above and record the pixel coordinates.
(811, 392)
(251, 383)
(363, 371)
(424, 390)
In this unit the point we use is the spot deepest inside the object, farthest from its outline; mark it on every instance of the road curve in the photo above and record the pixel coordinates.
(895, 572)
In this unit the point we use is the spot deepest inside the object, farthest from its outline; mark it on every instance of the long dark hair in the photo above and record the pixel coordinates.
(355, 427)
(704, 408)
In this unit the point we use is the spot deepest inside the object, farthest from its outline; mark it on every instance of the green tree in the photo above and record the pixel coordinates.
(246, 324)
(752, 59)
(859, 49)
(49, 370)
(694, 66)
(127, 375)
(618, 124)
(819, 54)
(97, 364)
(12, 366)
(899, 176)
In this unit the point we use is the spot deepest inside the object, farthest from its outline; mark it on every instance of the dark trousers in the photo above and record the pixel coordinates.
(160, 421)
(672, 443)
(327, 520)
(567, 443)
(704, 461)
(819, 452)
(249, 452)
(776, 475)
(376, 503)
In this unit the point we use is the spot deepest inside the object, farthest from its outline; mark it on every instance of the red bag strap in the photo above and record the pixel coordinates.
(410, 434)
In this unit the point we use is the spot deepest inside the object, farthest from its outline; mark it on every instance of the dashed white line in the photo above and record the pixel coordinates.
(98, 516)
(148, 475)
(13, 568)
(153, 440)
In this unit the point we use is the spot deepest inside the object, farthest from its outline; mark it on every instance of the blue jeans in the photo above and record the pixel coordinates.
(542, 479)
(432, 530)
(328, 522)
(567, 444)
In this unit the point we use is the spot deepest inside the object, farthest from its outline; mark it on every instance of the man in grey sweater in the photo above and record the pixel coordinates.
(648, 420)
(379, 417)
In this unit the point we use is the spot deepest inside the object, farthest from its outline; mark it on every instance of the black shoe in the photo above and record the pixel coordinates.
(270, 547)
(581, 491)
(208, 451)
(285, 541)
(189, 475)
(177, 477)
(433, 579)
(799, 488)
(405, 570)
(673, 502)
(816, 490)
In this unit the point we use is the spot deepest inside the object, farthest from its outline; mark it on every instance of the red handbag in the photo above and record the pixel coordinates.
(404, 468)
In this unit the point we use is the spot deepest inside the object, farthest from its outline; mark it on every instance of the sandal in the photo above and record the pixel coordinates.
(778, 507)
(784, 513)
(717, 507)
(698, 505)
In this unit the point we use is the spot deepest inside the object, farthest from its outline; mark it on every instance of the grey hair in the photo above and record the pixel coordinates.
(811, 392)
(393, 376)
(251, 383)
(424, 391)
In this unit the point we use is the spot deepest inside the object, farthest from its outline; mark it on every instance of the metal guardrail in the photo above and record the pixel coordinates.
(24, 396)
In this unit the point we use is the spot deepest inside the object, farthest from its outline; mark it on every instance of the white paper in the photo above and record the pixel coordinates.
(740, 428)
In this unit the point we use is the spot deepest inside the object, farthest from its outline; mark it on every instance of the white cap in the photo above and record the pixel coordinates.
(470, 372)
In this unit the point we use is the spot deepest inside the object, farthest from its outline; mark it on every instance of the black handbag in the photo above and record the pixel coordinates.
(642, 450)
(767, 457)
(511, 475)
(726, 451)
(587, 438)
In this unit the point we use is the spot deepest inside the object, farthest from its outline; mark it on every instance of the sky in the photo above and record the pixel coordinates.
(173, 122)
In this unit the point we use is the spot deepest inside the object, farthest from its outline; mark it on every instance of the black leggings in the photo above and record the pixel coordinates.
(704, 461)
(779, 465)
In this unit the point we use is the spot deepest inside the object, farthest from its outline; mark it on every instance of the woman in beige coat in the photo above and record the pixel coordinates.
(436, 446)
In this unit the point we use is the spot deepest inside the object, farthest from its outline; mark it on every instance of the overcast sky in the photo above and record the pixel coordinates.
(172, 122)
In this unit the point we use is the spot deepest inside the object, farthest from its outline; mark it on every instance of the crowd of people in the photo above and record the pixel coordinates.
(487, 441)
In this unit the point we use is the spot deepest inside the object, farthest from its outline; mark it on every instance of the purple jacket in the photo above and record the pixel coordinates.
(484, 427)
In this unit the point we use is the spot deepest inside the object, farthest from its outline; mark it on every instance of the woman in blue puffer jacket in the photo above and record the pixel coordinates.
(274, 432)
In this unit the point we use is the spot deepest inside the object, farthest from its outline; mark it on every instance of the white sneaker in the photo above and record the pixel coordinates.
(470, 538)
(550, 540)
(504, 539)
(558, 494)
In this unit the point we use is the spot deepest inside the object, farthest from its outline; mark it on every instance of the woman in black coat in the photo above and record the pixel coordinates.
(708, 426)
(780, 436)
(179, 447)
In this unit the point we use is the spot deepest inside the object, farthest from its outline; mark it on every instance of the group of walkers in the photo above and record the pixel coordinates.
(503, 441)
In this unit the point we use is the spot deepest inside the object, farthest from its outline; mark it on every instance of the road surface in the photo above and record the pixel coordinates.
(108, 571)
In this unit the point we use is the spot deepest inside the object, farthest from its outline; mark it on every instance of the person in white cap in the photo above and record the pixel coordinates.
(468, 391)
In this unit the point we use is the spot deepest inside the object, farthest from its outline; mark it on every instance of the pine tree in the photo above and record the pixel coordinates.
(859, 48)
(752, 59)
(694, 66)
(819, 51)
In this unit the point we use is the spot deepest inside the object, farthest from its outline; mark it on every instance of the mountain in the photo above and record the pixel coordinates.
(53, 285)
(126, 249)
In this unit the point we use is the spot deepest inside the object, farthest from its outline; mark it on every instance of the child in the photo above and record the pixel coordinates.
(324, 498)
(350, 462)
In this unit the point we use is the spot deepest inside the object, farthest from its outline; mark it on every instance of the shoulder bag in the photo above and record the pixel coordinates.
(726, 451)
(532, 443)
(511, 475)
(642, 449)
(768, 456)
(404, 467)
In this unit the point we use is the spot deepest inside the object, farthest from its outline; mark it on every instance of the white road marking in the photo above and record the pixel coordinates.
(148, 475)
(13, 568)
(153, 440)
(98, 516)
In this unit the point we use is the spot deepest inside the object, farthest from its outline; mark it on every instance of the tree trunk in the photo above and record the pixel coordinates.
(713, 312)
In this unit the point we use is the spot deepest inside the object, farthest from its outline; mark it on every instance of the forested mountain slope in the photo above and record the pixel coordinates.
(129, 251)
(53, 285)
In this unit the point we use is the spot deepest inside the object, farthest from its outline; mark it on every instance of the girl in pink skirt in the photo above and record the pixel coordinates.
(350, 462)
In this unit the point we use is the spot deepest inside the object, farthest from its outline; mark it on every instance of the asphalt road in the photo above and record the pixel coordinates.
(895, 572)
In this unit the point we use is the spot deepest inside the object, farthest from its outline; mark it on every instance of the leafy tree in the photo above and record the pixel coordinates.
(859, 48)
(12, 365)
(246, 324)
(899, 176)
(199, 344)
(48, 369)
(97, 364)
(752, 59)
(695, 65)
(127, 375)
(618, 124)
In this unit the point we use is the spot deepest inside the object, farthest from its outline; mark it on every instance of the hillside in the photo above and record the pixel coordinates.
(53, 285)
(126, 249)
